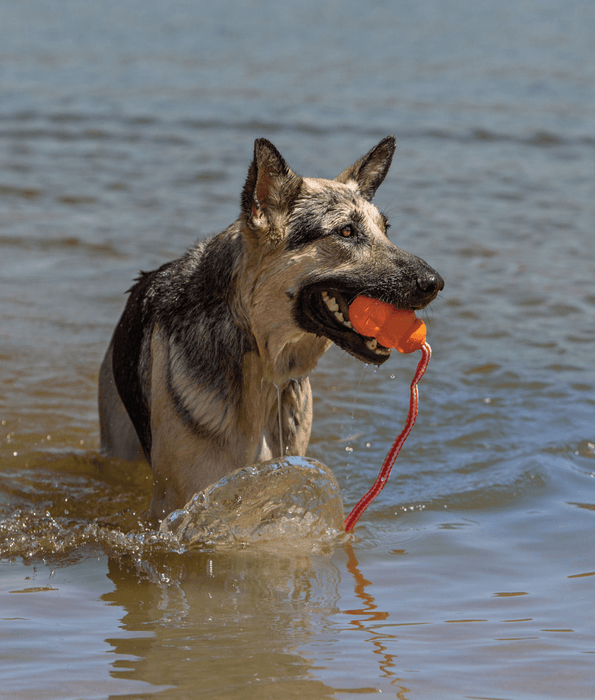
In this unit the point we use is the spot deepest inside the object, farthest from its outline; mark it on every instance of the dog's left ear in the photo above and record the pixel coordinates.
(268, 187)
(369, 172)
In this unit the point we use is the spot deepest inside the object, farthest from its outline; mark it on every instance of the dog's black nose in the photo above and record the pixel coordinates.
(430, 283)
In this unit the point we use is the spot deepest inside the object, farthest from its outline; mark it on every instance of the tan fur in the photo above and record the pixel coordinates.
(175, 450)
(184, 463)
(286, 351)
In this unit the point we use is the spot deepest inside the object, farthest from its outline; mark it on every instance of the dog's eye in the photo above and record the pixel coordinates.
(346, 231)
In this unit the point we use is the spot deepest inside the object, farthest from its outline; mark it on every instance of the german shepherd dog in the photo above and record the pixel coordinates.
(209, 345)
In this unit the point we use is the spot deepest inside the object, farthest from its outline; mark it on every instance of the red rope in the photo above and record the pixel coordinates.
(389, 460)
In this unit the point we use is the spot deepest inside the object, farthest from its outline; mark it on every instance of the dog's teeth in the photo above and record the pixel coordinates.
(372, 344)
(331, 302)
(333, 306)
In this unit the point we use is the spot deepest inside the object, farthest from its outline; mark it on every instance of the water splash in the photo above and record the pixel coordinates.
(66, 512)
(294, 501)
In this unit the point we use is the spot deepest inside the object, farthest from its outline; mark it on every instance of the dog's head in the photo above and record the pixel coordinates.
(320, 243)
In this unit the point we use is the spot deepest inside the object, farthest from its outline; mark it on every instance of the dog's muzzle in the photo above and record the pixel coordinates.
(322, 308)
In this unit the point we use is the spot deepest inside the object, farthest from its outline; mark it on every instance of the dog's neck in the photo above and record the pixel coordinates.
(266, 297)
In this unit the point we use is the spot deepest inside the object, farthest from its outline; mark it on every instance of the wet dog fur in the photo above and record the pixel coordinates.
(208, 343)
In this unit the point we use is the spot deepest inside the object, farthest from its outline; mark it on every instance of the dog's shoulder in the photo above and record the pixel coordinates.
(189, 300)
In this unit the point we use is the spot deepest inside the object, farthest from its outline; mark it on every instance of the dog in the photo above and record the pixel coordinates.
(207, 370)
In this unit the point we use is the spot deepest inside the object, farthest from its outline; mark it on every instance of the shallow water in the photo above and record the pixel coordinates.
(126, 130)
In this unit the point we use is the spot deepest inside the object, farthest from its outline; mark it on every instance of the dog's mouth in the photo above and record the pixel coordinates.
(325, 311)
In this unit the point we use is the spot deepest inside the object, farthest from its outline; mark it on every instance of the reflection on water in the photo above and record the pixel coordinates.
(369, 613)
(204, 613)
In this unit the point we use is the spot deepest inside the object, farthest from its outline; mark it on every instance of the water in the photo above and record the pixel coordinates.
(126, 130)
(294, 502)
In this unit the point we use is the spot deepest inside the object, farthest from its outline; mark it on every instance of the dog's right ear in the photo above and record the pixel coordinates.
(267, 189)
(369, 172)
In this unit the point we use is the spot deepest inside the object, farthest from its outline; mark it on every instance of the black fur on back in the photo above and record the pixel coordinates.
(190, 299)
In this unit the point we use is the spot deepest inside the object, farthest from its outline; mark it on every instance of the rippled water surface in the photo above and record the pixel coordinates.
(126, 130)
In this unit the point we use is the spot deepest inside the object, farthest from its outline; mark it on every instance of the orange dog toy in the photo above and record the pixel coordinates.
(393, 328)
(402, 330)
